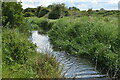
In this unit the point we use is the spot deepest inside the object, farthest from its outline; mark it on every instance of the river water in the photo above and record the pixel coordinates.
(73, 67)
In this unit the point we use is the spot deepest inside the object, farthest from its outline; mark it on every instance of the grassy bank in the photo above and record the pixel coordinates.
(93, 37)
(42, 25)
(20, 59)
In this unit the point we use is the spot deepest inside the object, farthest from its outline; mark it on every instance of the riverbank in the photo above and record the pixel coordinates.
(20, 59)
(96, 38)
(86, 37)
(72, 67)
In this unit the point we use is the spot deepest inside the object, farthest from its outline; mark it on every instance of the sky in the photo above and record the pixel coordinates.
(81, 4)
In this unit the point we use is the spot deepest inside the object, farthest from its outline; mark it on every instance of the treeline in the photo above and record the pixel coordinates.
(56, 11)
(19, 56)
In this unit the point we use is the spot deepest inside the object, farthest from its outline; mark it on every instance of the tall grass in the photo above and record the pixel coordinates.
(41, 24)
(93, 37)
(20, 59)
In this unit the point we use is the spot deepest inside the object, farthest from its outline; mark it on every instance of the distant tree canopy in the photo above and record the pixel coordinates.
(74, 8)
(28, 14)
(42, 12)
(58, 10)
(12, 14)
(55, 13)
(102, 9)
(33, 10)
(90, 11)
(30, 11)
(50, 7)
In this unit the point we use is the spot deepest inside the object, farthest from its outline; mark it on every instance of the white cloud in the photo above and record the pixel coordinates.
(35, 3)
(42, 2)
(113, 1)
(82, 6)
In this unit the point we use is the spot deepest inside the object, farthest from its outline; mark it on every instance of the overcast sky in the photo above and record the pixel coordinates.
(81, 4)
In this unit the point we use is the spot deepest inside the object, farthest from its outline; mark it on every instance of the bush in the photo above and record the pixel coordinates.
(43, 12)
(28, 14)
(16, 47)
(56, 12)
(40, 24)
(12, 14)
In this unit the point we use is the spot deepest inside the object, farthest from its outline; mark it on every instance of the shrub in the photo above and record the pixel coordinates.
(28, 14)
(12, 14)
(41, 24)
(43, 12)
(16, 47)
(56, 12)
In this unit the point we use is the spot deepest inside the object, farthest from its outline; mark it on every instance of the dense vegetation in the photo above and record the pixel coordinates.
(95, 38)
(92, 34)
(43, 25)
(56, 11)
(20, 59)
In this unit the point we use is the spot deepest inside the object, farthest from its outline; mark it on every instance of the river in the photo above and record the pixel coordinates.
(73, 67)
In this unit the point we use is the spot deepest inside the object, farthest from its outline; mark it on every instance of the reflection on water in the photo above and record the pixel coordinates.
(73, 67)
(42, 42)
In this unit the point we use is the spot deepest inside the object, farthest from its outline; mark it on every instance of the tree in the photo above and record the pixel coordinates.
(74, 8)
(57, 11)
(31, 11)
(50, 7)
(66, 13)
(102, 9)
(28, 14)
(38, 10)
(43, 12)
(12, 14)
(90, 11)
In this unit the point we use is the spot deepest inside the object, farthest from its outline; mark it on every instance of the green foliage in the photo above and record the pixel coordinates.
(14, 50)
(38, 10)
(28, 14)
(38, 66)
(12, 14)
(18, 71)
(94, 37)
(19, 56)
(41, 24)
(57, 11)
(90, 11)
(20, 59)
(46, 66)
(74, 8)
(46, 25)
(30, 10)
(43, 12)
